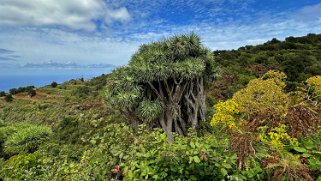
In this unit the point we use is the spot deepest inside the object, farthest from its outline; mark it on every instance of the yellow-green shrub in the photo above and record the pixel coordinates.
(263, 95)
(315, 82)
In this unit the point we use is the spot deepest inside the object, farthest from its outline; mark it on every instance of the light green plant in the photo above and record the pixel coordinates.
(27, 139)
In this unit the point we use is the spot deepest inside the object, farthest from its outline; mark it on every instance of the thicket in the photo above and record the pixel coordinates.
(30, 90)
(21, 89)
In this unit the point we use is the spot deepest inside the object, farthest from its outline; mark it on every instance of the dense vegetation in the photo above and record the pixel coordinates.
(263, 119)
(299, 58)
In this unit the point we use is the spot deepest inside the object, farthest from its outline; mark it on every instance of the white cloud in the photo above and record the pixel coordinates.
(121, 14)
(60, 46)
(74, 14)
(37, 45)
(309, 13)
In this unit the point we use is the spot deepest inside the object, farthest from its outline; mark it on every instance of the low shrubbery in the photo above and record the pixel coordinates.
(23, 138)
(28, 89)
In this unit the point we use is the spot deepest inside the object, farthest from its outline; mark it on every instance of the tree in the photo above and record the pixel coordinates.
(8, 98)
(163, 85)
(2, 94)
(54, 84)
(13, 91)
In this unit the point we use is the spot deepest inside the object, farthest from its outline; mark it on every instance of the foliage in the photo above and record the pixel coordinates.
(263, 95)
(193, 158)
(268, 128)
(22, 167)
(54, 84)
(297, 57)
(2, 93)
(150, 110)
(8, 98)
(27, 89)
(277, 137)
(83, 92)
(32, 92)
(225, 113)
(314, 84)
(27, 139)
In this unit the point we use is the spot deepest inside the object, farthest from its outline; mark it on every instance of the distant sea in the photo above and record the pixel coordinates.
(13, 78)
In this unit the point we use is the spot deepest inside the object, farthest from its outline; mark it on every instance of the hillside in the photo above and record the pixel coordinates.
(298, 57)
(263, 118)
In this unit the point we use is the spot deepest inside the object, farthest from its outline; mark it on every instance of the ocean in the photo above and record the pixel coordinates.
(13, 78)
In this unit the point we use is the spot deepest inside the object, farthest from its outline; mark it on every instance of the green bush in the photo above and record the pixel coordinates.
(82, 92)
(54, 84)
(32, 92)
(22, 167)
(27, 89)
(192, 158)
(5, 132)
(8, 98)
(27, 139)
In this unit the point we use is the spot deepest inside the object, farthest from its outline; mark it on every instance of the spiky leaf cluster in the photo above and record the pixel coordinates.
(27, 139)
(150, 110)
(122, 92)
(181, 56)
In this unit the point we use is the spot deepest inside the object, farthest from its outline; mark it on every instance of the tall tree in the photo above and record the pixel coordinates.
(163, 85)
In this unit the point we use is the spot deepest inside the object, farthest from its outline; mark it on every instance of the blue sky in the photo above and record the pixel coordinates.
(92, 32)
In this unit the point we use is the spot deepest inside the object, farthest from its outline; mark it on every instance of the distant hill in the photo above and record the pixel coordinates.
(298, 57)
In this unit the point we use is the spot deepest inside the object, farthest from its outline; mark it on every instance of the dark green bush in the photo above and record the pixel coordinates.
(8, 98)
(54, 84)
(2, 94)
(82, 92)
(32, 92)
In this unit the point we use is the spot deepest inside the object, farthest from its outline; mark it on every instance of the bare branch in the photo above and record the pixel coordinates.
(155, 90)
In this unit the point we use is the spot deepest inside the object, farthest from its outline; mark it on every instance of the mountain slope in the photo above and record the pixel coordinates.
(299, 58)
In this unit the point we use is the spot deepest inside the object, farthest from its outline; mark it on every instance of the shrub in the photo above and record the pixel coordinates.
(314, 83)
(82, 92)
(32, 92)
(2, 94)
(21, 167)
(8, 98)
(13, 91)
(27, 139)
(54, 84)
(5, 132)
(264, 95)
(152, 157)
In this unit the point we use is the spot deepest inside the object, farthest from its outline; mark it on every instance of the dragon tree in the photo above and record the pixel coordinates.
(163, 84)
